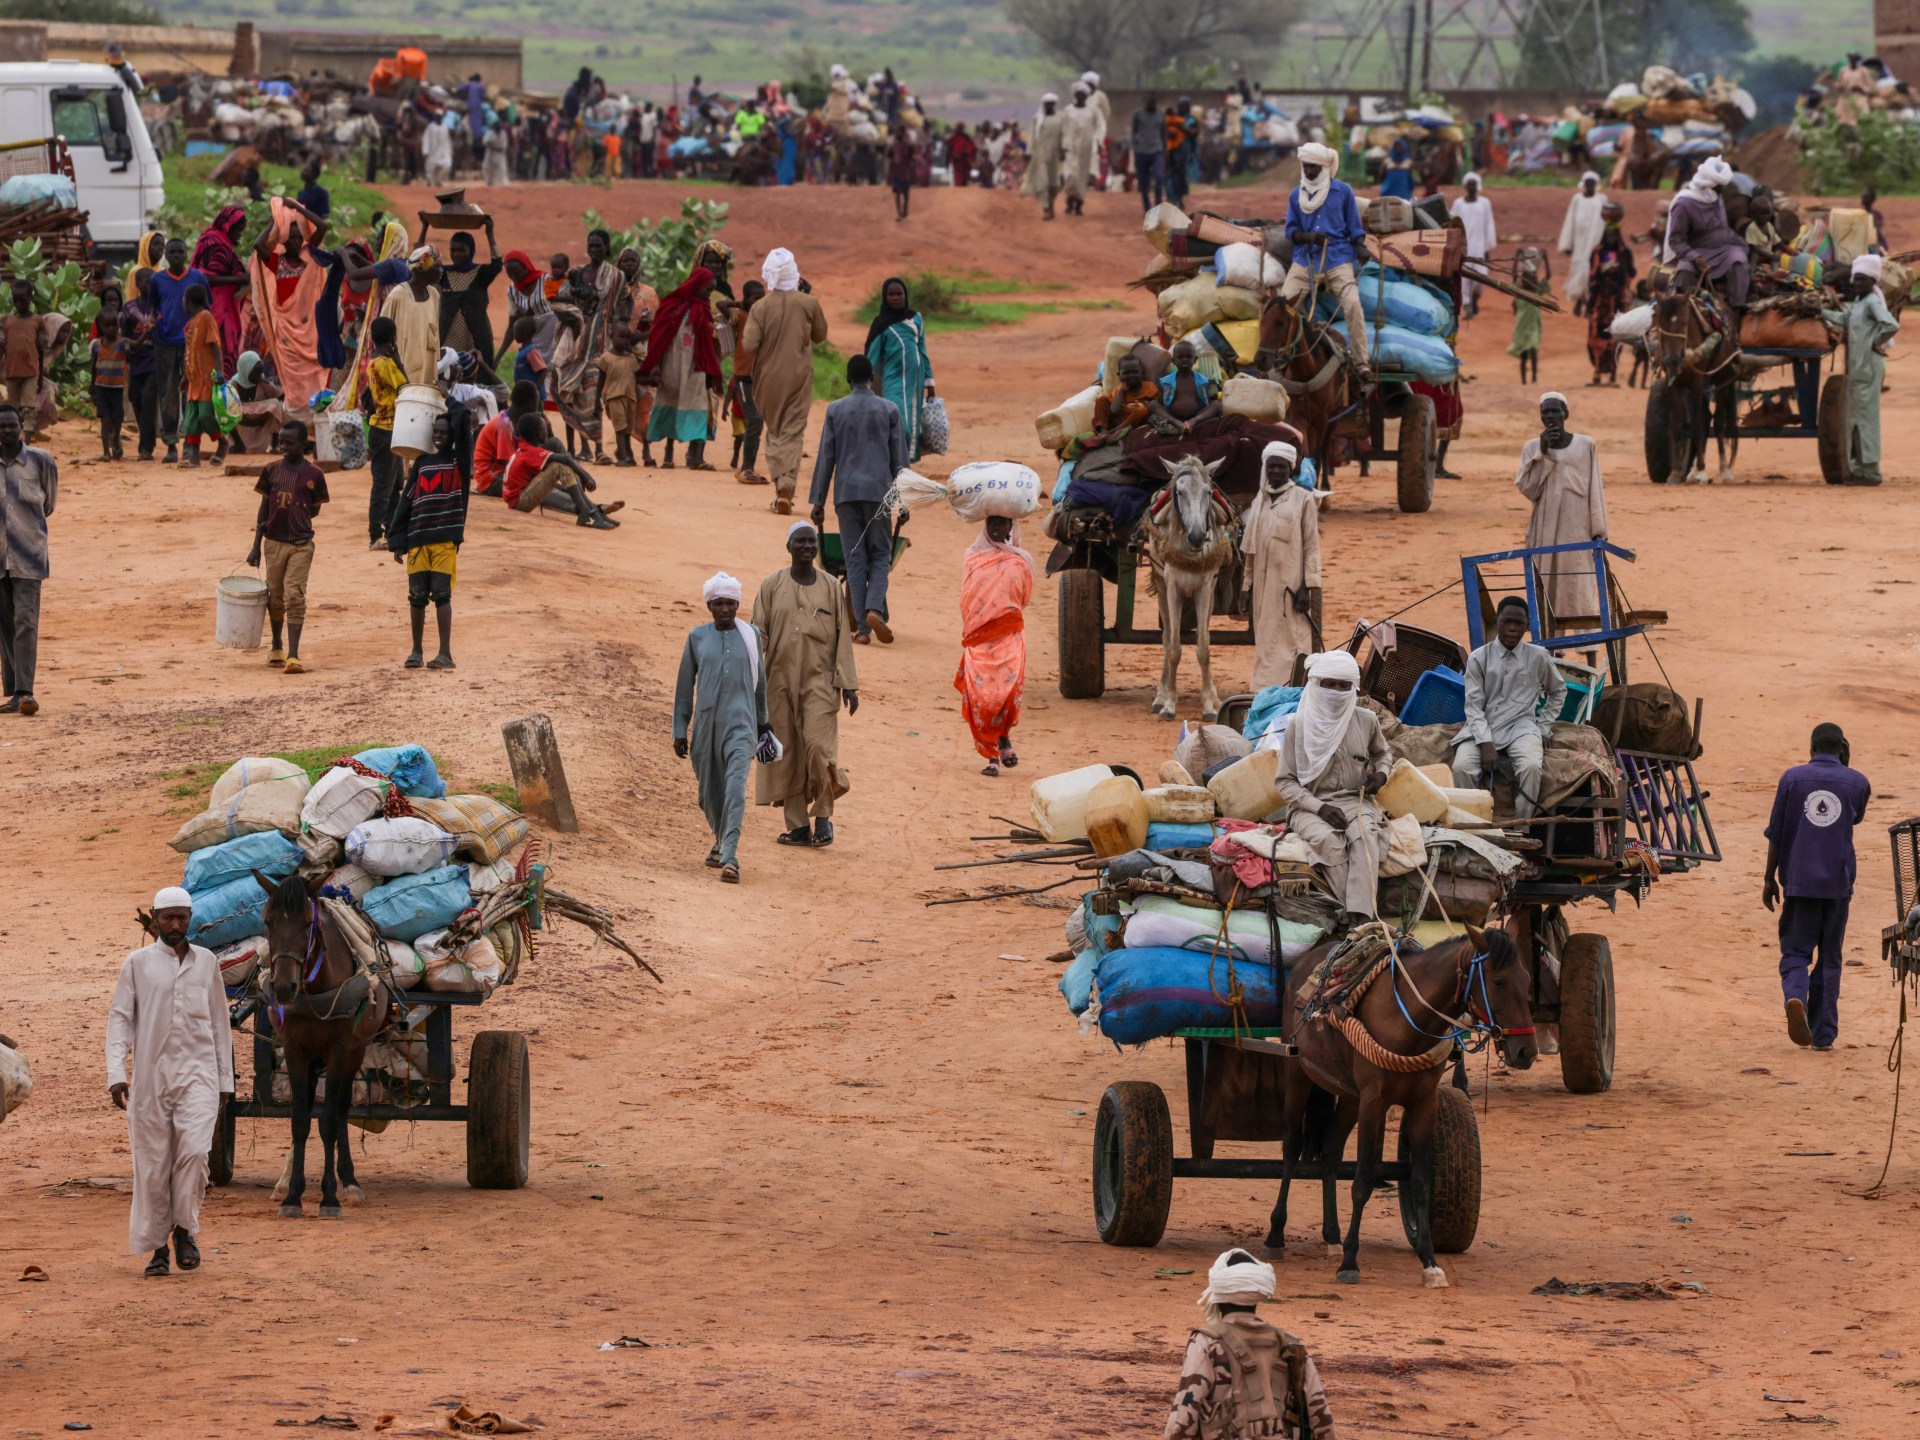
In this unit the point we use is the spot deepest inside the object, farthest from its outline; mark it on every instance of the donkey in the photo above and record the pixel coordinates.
(326, 1008)
(1189, 531)
(1408, 1026)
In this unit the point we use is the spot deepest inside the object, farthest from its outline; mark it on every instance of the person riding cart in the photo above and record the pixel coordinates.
(1700, 242)
(1323, 225)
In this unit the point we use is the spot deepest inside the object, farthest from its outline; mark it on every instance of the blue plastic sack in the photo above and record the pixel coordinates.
(1060, 485)
(1147, 994)
(1394, 300)
(1268, 706)
(269, 852)
(409, 767)
(407, 908)
(25, 190)
(232, 912)
(1076, 986)
(1164, 835)
(1425, 357)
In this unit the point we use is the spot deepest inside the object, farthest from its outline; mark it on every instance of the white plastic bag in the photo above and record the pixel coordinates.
(407, 845)
(1632, 324)
(1238, 264)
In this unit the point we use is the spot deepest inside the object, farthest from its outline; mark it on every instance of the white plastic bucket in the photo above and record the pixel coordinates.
(240, 611)
(413, 416)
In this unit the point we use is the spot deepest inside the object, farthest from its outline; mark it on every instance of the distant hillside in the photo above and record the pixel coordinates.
(1817, 30)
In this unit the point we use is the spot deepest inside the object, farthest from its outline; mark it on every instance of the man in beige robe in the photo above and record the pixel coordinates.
(1280, 568)
(782, 329)
(1560, 474)
(1080, 133)
(809, 664)
(1332, 763)
(1044, 155)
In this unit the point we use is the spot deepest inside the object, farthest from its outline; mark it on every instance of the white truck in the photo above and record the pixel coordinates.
(115, 167)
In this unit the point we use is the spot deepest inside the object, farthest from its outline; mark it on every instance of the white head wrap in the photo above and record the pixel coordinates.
(838, 72)
(1282, 449)
(1322, 718)
(1247, 1282)
(1590, 175)
(1081, 89)
(797, 526)
(1472, 177)
(1868, 265)
(449, 364)
(1049, 98)
(1707, 180)
(780, 271)
(721, 587)
(1313, 193)
(1091, 77)
(1555, 395)
(171, 898)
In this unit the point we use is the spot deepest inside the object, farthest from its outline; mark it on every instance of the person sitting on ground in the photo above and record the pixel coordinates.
(263, 407)
(1244, 1377)
(1514, 694)
(1332, 763)
(493, 447)
(424, 533)
(291, 493)
(541, 474)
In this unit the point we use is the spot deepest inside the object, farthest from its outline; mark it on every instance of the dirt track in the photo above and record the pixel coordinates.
(835, 1171)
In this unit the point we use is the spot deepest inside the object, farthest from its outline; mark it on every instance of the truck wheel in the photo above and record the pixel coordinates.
(499, 1111)
(220, 1157)
(1659, 436)
(1833, 426)
(1586, 1015)
(1456, 1174)
(1419, 456)
(1083, 645)
(1132, 1164)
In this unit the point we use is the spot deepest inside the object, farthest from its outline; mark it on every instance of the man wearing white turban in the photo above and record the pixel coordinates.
(1332, 763)
(720, 717)
(1870, 328)
(1700, 243)
(1082, 137)
(1474, 211)
(1046, 153)
(1280, 574)
(1580, 232)
(1243, 1376)
(782, 329)
(810, 675)
(1101, 104)
(1323, 225)
(170, 1010)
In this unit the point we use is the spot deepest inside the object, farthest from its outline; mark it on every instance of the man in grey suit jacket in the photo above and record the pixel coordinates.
(862, 448)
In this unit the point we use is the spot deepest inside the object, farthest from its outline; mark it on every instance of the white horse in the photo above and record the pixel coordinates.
(1189, 533)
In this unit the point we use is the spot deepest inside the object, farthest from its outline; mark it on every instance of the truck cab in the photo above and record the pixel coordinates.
(115, 167)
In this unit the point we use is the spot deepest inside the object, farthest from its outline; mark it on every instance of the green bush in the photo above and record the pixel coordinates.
(829, 373)
(1845, 159)
(61, 290)
(666, 245)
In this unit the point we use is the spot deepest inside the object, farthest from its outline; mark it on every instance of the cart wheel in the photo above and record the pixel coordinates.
(1419, 457)
(1586, 1015)
(1132, 1164)
(220, 1157)
(1834, 427)
(499, 1112)
(1083, 645)
(1659, 432)
(1456, 1174)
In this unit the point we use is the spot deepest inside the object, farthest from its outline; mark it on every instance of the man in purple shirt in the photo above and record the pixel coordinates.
(1810, 859)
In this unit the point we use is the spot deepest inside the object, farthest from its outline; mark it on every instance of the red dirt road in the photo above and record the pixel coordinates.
(835, 1170)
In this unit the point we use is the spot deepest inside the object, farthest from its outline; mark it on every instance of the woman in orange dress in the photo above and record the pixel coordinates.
(994, 591)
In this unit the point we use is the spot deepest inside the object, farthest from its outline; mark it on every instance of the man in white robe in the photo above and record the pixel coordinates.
(1280, 578)
(1579, 233)
(1101, 104)
(1045, 154)
(170, 1010)
(1560, 474)
(1475, 212)
(1081, 132)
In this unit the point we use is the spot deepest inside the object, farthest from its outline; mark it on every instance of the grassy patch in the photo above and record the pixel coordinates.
(193, 782)
(192, 199)
(508, 795)
(829, 373)
(946, 305)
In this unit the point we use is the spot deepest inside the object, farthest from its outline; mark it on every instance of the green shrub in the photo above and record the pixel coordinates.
(1845, 159)
(61, 290)
(666, 245)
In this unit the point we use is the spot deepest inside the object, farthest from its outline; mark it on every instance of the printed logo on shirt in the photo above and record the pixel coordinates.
(1823, 808)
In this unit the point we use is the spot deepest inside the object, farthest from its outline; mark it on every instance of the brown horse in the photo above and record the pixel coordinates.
(1311, 364)
(1696, 354)
(326, 1007)
(1408, 1021)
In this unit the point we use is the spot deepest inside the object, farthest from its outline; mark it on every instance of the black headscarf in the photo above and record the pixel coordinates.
(888, 316)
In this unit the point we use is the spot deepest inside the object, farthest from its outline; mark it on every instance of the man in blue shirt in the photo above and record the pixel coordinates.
(1323, 224)
(167, 293)
(1810, 858)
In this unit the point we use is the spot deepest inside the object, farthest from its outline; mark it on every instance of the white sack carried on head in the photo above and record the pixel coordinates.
(976, 491)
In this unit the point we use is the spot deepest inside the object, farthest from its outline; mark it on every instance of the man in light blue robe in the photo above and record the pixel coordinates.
(720, 717)
(1870, 327)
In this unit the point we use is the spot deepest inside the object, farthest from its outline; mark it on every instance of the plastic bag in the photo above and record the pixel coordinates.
(934, 429)
(226, 404)
(987, 487)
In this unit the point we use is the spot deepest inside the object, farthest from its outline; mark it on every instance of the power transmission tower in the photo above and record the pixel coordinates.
(1409, 46)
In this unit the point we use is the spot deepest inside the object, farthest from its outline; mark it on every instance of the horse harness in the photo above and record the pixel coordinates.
(354, 997)
(1338, 996)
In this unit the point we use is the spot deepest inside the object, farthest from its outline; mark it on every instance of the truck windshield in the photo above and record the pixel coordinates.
(81, 117)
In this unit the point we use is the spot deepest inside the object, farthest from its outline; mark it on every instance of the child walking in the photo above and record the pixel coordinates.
(620, 394)
(1526, 316)
(429, 521)
(203, 361)
(109, 382)
(384, 379)
(291, 492)
(23, 360)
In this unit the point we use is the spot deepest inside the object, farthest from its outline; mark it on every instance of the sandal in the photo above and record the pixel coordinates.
(730, 874)
(278, 657)
(412, 662)
(704, 465)
(293, 666)
(713, 858)
(1007, 757)
(799, 835)
(822, 834)
(991, 768)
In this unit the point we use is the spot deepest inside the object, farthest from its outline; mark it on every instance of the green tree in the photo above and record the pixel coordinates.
(1134, 44)
(83, 12)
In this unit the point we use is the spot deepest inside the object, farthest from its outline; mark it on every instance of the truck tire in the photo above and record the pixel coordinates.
(1659, 436)
(1833, 427)
(1083, 645)
(1586, 1015)
(499, 1111)
(1419, 456)
(1132, 1164)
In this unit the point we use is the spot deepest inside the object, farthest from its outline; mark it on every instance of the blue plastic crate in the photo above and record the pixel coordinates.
(1439, 698)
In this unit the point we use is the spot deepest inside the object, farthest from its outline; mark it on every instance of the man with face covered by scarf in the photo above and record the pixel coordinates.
(1332, 763)
(1244, 1377)
(1323, 224)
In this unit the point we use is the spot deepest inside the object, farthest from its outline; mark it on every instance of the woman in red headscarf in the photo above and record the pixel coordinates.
(218, 256)
(683, 360)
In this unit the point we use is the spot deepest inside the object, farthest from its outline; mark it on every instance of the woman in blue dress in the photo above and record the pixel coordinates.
(897, 346)
(1397, 183)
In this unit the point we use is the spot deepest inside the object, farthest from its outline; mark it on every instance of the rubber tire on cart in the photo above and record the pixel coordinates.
(1586, 1014)
(220, 1157)
(1834, 437)
(1419, 456)
(1083, 643)
(1659, 435)
(499, 1111)
(1132, 1164)
(1456, 1174)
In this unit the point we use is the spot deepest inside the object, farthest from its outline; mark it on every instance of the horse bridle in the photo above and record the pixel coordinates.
(316, 948)
(1479, 1010)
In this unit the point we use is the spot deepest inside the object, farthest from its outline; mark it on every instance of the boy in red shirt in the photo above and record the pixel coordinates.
(539, 475)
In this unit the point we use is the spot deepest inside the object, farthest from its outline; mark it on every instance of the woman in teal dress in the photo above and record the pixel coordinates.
(897, 346)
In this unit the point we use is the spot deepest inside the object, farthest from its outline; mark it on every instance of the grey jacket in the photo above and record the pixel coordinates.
(862, 447)
(28, 489)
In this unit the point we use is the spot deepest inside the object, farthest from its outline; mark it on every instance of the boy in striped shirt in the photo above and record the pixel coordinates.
(424, 532)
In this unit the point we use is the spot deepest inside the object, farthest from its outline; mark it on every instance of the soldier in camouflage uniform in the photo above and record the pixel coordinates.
(1244, 1379)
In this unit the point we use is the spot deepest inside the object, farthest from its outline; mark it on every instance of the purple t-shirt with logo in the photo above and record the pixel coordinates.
(1814, 813)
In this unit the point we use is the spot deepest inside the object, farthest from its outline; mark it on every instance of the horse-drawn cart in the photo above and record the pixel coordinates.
(1415, 452)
